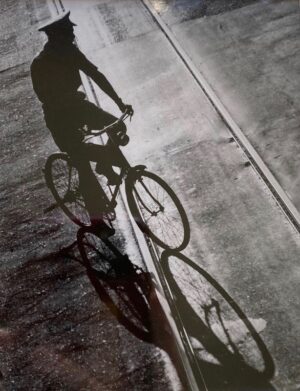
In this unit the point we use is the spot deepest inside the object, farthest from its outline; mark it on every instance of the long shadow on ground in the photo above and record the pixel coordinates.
(50, 310)
(230, 352)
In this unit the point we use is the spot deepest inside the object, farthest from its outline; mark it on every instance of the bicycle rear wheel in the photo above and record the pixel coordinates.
(157, 210)
(63, 181)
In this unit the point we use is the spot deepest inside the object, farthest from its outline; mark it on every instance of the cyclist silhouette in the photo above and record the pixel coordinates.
(56, 81)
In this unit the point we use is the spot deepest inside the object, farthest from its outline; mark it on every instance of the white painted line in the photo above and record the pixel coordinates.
(256, 161)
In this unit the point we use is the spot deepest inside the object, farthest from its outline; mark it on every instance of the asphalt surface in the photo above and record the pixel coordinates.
(239, 234)
(177, 11)
(234, 287)
(248, 52)
(61, 327)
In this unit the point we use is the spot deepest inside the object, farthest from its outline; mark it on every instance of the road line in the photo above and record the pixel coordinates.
(256, 161)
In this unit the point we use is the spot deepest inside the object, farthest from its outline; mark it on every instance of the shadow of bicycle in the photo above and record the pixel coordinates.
(123, 287)
(229, 350)
(129, 293)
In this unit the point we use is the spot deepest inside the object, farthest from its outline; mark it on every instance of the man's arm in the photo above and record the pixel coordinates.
(91, 70)
(106, 87)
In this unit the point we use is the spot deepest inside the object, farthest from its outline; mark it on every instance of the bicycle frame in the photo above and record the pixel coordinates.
(142, 202)
(125, 166)
(107, 128)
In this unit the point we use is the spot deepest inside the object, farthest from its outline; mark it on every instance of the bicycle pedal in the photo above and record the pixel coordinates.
(112, 205)
(109, 208)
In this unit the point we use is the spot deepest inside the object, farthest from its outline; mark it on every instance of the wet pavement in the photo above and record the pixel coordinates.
(63, 326)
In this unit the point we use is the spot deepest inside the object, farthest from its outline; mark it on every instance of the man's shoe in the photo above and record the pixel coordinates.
(102, 229)
(113, 178)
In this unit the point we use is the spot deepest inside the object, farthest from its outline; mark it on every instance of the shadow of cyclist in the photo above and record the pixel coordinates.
(230, 352)
(129, 293)
(222, 336)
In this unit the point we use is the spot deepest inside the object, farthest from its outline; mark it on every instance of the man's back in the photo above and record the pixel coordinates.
(55, 73)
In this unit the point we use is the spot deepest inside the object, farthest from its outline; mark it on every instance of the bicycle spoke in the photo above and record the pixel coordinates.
(160, 211)
(64, 184)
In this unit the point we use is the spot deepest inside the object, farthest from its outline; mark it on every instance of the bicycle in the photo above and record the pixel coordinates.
(153, 204)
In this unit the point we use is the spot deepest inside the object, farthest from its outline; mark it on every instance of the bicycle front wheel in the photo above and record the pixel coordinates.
(157, 210)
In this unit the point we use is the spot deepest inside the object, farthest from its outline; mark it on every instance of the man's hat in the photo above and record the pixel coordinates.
(58, 22)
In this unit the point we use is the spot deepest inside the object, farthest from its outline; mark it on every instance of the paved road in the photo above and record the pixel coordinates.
(248, 250)
(61, 328)
(239, 234)
(248, 52)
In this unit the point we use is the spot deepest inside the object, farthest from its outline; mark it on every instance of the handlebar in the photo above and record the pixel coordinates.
(108, 127)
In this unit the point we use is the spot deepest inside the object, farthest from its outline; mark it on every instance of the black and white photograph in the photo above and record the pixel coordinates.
(150, 225)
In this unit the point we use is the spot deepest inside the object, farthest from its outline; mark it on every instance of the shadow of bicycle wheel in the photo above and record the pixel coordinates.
(230, 352)
(122, 286)
(129, 293)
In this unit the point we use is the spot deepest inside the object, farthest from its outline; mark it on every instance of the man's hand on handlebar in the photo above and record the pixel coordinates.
(126, 108)
(127, 112)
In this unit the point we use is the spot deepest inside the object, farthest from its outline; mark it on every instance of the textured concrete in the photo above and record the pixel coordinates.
(239, 234)
(176, 11)
(250, 56)
(56, 330)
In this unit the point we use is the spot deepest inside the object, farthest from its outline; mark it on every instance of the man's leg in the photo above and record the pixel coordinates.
(105, 156)
(63, 126)
(93, 194)
(94, 197)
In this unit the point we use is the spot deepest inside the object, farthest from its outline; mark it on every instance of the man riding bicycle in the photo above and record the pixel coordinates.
(56, 80)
